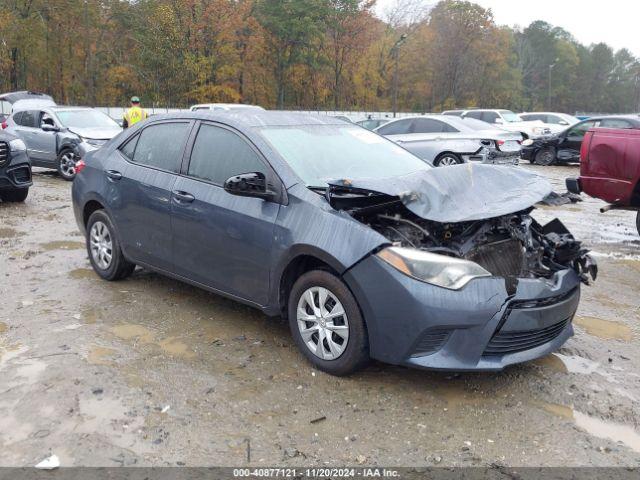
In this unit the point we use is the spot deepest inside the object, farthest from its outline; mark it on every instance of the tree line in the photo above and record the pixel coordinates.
(306, 54)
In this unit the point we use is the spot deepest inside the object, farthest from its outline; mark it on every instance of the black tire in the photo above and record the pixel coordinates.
(444, 159)
(64, 169)
(356, 353)
(638, 222)
(545, 156)
(15, 195)
(119, 267)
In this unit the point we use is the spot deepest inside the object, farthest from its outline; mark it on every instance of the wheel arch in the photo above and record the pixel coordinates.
(306, 259)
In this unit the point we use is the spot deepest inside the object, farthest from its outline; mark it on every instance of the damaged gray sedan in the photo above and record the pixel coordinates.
(368, 251)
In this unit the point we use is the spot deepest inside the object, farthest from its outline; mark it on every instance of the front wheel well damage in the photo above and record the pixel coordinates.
(297, 267)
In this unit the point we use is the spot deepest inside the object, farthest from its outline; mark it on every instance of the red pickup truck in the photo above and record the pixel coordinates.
(610, 167)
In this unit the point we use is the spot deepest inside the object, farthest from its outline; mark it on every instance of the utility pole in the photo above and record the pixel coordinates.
(549, 90)
(395, 53)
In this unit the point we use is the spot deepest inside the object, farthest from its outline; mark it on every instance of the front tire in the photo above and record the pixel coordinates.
(326, 323)
(104, 249)
(446, 160)
(67, 164)
(638, 222)
(545, 156)
(15, 195)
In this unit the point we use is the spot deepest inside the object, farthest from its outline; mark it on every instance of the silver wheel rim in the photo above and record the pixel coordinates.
(447, 161)
(546, 157)
(322, 323)
(101, 245)
(68, 164)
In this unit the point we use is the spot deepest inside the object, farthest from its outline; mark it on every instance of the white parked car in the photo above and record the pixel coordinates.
(556, 122)
(443, 140)
(508, 120)
(224, 107)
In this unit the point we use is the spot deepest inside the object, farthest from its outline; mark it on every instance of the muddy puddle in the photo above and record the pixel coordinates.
(6, 232)
(82, 273)
(597, 427)
(605, 329)
(3, 328)
(100, 355)
(61, 245)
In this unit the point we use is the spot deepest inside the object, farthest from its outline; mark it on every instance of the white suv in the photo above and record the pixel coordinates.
(508, 120)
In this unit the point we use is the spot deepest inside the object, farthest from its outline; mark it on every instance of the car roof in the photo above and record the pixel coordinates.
(254, 118)
(13, 97)
(226, 105)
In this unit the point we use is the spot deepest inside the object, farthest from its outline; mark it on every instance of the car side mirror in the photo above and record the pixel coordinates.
(49, 128)
(252, 184)
(499, 121)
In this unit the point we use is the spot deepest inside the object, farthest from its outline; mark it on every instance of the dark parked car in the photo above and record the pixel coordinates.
(15, 169)
(564, 147)
(610, 168)
(368, 251)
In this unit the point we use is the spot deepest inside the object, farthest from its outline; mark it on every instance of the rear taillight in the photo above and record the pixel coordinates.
(80, 166)
(4, 125)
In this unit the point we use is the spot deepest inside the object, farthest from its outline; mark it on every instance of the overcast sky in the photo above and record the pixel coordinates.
(590, 21)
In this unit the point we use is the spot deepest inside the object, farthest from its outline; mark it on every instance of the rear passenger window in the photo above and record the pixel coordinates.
(614, 123)
(472, 114)
(160, 146)
(396, 128)
(490, 117)
(129, 148)
(29, 118)
(428, 125)
(218, 154)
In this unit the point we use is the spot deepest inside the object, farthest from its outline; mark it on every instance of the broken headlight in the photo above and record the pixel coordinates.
(440, 270)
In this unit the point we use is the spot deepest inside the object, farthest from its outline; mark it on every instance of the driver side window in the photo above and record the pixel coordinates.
(46, 119)
(218, 154)
(580, 129)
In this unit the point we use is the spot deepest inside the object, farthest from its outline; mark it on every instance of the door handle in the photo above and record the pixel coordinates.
(183, 197)
(113, 174)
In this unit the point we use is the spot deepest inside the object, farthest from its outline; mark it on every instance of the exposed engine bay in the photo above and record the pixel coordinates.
(511, 246)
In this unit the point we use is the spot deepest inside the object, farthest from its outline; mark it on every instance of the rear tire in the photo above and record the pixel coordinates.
(447, 159)
(15, 195)
(638, 222)
(334, 343)
(67, 164)
(104, 249)
(545, 156)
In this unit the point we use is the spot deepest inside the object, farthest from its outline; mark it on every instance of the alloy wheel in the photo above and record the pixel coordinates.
(447, 161)
(322, 323)
(68, 164)
(101, 245)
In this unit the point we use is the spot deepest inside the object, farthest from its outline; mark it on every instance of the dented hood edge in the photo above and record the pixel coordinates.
(460, 193)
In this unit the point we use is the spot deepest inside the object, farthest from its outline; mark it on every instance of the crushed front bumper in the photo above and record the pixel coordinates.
(494, 157)
(480, 327)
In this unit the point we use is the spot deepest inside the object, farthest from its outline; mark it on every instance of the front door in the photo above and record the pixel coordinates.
(222, 240)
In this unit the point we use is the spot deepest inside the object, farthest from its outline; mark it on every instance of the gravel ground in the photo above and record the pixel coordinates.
(152, 372)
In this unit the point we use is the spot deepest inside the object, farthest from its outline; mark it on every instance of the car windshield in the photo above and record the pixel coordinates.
(509, 116)
(85, 119)
(320, 153)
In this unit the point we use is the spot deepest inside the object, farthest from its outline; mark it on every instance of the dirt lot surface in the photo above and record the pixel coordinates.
(149, 371)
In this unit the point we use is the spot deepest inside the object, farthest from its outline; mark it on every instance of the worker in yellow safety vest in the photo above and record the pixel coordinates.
(135, 114)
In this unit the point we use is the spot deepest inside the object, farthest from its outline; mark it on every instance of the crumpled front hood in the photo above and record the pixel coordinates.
(460, 193)
(96, 133)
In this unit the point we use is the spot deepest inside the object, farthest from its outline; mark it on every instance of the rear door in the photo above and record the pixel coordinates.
(141, 181)
(26, 127)
(221, 240)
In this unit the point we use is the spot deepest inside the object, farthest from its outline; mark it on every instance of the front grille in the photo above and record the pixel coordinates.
(502, 259)
(4, 153)
(504, 343)
(21, 175)
(431, 342)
